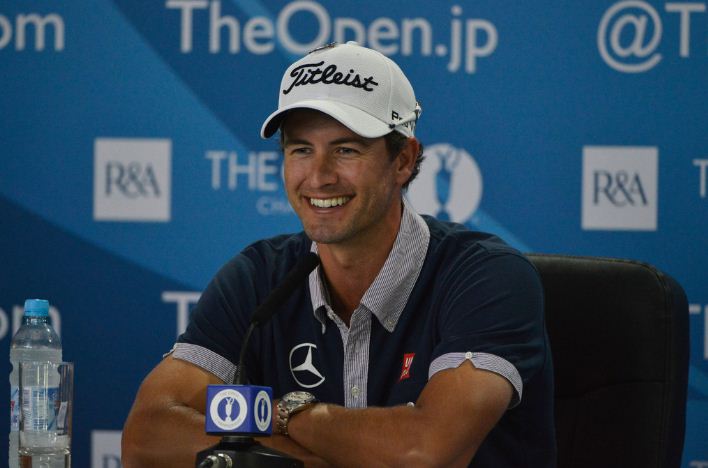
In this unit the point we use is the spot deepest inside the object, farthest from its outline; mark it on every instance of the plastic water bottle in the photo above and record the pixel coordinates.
(35, 340)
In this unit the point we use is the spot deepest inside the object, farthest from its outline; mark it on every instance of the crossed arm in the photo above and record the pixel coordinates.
(165, 427)
(454, 413)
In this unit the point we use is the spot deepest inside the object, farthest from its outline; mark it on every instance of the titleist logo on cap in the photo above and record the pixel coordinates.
(312, 73)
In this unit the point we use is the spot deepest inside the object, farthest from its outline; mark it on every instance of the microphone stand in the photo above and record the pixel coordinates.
(242, 450)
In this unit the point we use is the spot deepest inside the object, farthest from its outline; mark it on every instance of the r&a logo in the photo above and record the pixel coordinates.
(620, 188)
(132, 179)
(449, 185)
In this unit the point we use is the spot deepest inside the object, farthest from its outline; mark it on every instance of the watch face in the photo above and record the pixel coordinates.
(299, 397)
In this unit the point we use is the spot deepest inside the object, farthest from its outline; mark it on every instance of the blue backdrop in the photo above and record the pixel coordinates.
(131, 166)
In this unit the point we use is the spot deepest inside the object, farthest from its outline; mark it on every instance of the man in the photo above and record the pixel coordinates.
(419, 342)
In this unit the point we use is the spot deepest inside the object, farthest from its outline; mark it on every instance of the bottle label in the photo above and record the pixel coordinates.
(39, 408)
(14, 408)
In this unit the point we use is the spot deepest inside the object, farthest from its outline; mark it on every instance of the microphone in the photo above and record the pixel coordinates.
(275, 299)
(252, 404)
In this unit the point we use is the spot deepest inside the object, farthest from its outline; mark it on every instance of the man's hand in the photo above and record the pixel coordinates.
(455, 412)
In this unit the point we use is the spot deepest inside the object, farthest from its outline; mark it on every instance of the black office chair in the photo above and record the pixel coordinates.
(619, 337)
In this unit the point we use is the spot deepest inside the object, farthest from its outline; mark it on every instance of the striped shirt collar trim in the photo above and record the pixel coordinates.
(388, 294)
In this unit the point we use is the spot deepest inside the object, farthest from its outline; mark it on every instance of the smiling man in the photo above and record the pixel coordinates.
(415, 343)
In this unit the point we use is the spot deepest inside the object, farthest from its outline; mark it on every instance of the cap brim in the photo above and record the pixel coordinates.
(354, 119)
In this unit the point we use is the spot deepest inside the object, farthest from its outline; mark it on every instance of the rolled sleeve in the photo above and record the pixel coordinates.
(206, 359)
(493, 316)
(484, 361)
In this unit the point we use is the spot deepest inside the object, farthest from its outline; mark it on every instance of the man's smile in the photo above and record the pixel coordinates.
(329, 202)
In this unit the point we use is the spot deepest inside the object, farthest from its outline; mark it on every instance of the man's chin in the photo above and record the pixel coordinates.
(325, 239)
(322, 236)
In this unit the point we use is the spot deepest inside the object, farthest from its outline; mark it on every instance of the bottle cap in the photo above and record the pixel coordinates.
(36, 308)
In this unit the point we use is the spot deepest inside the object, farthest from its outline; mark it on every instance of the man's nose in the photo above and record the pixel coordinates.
(323, 171)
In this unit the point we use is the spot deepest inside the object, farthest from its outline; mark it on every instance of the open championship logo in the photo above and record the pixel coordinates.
(222, 409)
(262, 411)
(449, 185)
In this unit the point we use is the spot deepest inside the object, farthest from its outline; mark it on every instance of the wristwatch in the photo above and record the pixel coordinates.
(290, 404)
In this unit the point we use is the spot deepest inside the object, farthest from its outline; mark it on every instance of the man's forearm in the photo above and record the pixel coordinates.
(365, 437)
(175, 436)
(167, 438)
(453, 415)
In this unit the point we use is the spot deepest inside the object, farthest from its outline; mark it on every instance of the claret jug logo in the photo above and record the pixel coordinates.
(620, 188)
(228, 409)
(132, 179)
(449, 185)
(262, 411)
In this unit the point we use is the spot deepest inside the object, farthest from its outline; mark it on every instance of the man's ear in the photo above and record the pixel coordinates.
(405, 161)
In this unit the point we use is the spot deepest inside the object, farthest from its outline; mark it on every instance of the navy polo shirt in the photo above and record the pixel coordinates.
(445, 294)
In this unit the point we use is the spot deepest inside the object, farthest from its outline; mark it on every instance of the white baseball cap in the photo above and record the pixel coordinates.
(361, 88)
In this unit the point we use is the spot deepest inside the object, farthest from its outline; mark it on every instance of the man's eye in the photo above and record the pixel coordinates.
(346, 150)
(300, 150)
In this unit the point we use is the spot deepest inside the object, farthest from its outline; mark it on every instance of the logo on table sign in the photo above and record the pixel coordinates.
(228, 409)
(262, 411)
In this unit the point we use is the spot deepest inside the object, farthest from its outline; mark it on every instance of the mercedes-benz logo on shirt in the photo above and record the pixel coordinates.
(301, 367)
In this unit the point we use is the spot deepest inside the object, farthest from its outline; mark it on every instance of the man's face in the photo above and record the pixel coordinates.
(345, 188)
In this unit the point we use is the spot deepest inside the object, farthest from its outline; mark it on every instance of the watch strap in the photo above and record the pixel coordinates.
(284, 413)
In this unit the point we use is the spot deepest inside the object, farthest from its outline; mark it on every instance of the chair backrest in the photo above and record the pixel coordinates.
(619, 337)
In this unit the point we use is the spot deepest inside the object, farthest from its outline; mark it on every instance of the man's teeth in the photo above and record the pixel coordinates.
(329, 202)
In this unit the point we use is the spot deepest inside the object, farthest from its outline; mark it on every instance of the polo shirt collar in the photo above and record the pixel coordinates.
(388, 294)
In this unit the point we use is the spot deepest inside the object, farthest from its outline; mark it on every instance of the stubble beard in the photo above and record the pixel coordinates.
(330, 234)
(365, 218)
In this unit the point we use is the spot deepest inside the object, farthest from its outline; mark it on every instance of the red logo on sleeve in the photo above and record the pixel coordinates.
(407, 362)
